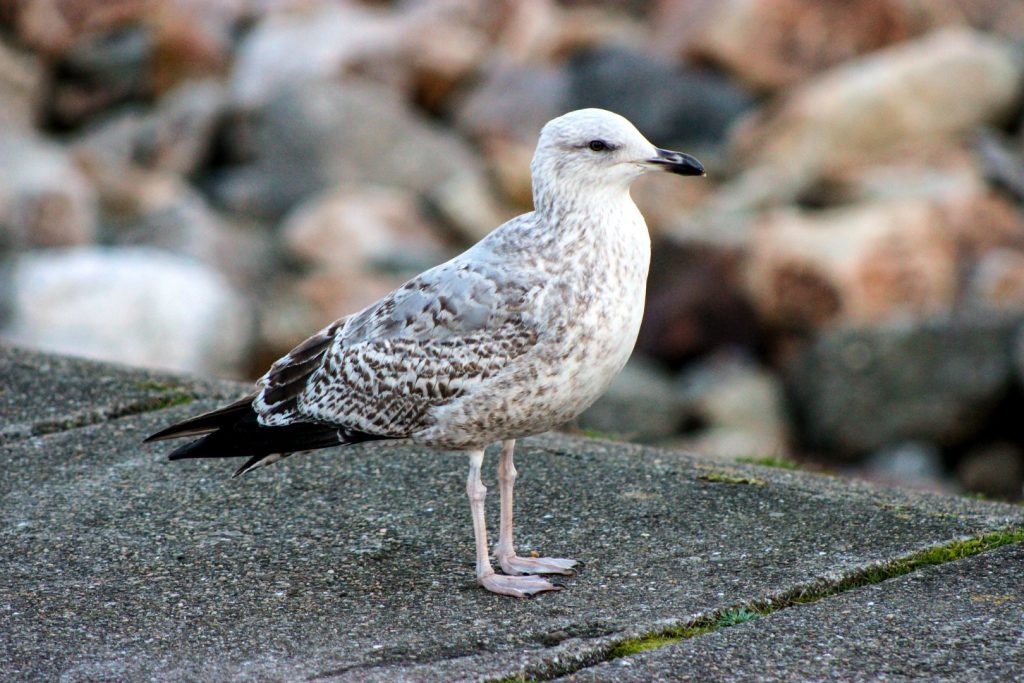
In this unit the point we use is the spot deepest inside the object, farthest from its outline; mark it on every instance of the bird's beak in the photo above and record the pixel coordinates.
(677, 162)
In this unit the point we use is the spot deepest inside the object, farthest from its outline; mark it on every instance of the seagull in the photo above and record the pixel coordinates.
(517, 335)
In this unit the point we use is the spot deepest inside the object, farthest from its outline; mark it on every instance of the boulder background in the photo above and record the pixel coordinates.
(198, 186)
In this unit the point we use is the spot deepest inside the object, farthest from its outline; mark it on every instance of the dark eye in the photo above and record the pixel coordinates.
(598, 145)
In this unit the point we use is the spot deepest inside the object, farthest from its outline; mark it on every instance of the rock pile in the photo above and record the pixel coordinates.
(848, 283)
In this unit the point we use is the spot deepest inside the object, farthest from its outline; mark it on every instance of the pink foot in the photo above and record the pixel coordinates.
(516, 586)
(513, 564)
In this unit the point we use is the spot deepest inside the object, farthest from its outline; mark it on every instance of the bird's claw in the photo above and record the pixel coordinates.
(517, 586)
(513, 564)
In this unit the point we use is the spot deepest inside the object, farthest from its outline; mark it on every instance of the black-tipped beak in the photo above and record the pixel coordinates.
(677, 162)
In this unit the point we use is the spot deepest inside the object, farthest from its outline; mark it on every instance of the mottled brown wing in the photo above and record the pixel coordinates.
(380, 371)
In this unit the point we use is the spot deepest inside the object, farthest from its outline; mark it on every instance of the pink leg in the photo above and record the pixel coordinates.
(505, 549)
(517, 586)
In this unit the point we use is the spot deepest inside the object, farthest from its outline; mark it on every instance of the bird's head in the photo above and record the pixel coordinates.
(595, 148)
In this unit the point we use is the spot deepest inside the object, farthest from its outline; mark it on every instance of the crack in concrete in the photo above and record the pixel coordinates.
(86, 418)
(818, 589)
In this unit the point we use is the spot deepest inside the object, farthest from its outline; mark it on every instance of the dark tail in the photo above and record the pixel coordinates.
(234, 431)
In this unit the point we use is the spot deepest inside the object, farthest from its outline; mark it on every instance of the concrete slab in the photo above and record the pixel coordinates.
(960, 621)
(357, 564)
(43, 393)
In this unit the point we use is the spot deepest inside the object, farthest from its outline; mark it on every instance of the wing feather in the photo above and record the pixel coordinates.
(382, 370)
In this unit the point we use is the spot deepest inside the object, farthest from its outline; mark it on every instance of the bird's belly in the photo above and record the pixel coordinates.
(547, 387)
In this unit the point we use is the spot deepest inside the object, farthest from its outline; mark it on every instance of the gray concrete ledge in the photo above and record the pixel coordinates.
(958, 621)
(356, 564)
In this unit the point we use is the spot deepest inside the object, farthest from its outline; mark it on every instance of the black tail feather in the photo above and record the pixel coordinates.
(235, 431)
(207, 422)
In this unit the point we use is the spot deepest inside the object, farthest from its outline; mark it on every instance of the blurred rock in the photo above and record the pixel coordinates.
(997, 282)
(995, 16)
(176, 136)
(44, 200)
(938, 171)
(1004, 166)
(426, 48)
(161, 210)
(855, 265)
(98, 71)
(695, 304)
(544, 31)
(447, 46)
(938, 86)
(664, 201)
(995, 470)
(295, 307)
(468, 206)
(980, 223)
(21, 86)
(911, 463)
(671, 105)
(316, 43)
(508, 163)
(640, 405)
(135, 306)
(528, 30)
(316, 135)
(856, 391)
(504, 114)
(191, 40)
(51, 27)
(771, 44)
(739, 406)
(353, 228)
(513, 102)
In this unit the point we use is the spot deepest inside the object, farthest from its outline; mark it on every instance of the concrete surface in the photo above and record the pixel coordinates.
(352, 565)
(958, 621)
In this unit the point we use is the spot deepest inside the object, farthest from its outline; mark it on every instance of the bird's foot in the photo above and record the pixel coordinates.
(516, 586)
(513, 564)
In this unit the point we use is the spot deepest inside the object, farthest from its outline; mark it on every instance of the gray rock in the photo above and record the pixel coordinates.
(45, 200)
(639, 405)
(363, 228)
(854, 391)
(315, 45)
(513, 101)
(939, 86)
(911, 463)
(865, 264)
(314, 135)
(161, 210)
(696, 304)
(740, 407)
(175, 136)
(21, 85)
(996, 283)
(130, 305)
(672, 105)
(995, 470)
(101, 69)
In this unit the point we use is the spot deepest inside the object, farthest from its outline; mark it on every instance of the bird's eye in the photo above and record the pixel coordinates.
(598, 145)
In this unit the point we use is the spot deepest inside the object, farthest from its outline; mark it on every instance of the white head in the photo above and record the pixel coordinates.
(597, 149)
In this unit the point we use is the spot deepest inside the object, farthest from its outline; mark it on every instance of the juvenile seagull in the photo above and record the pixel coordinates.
(515, 336)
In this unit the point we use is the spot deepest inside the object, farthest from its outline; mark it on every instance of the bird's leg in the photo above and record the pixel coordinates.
(505, 549)
(517, 586)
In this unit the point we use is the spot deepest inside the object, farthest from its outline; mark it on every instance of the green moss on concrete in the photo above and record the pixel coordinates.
(779, 463)
(949, 552)
(168, 394)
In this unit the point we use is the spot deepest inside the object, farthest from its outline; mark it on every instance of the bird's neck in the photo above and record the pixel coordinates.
(592, 217)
